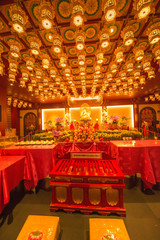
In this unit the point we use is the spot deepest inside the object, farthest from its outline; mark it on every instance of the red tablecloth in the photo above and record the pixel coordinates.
(39, 161)
(141, 156)
(63, 147)
(11, 173)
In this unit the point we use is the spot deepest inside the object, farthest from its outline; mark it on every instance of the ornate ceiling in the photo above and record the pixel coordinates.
(92, 82)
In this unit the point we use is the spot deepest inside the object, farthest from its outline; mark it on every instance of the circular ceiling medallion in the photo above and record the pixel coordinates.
(35, 11)
(103, 69)
(91, 32)
(64, 9)
(69, 35)
(88, 76)
(143, 44)
(92, 7)
(2, 26)
(132, 56)
(136, 26)
(75, 71)
(105, 60)
(109, 48)
(89, 61)
(74, 63)
(90, 49)
(24, 55)
(122, 4)
(89, 70)
(4, 48)
(72, 51)
(48, 36)
(113, 29)
(27, 38)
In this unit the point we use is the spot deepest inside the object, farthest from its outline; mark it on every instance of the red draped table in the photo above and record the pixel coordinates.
(11, 173)
(40, 160)
(140, 156)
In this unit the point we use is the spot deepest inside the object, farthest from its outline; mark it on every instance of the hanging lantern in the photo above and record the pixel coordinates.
(123, 75)
(151, 73)
(156, 50)
(125, 85)
(129, 65)
(58, 80)
(30, 87)
(11, 76)
(36, 91)
(35, 44)
(135, 85)
(146, 99)
(119, 54)
(113, 67)
(77, 9)
(139, 53)
(57, 44)
(15, 102)
(80, 39)
(104, 38)
(109, 76)
(29, 105)
(97, 69)
(38, 73)
(1, 67)
(146, 64)
(142, 80)
(67, 72)
(143, 8)
(128, 35)
(13, 64)
(45, 81)
(63, 60)
(99, 57)
(53, 72)
(9, 101)
(40, 87)
(109, 9)
(25, 73)
(45, 61)
(82, 70)
(81, 58)
(47, 14)
(137, 74)
(118, 82)
(130, 81)
(18, 18)
(15, 48)
(153, 32)
(33, 81)
(51, 86)
(22, 83)
(30, 62)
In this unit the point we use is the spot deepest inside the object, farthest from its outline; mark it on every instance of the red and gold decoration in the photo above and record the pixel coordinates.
(78, 9)
(15, 48)
(57, 44)
(45, 61)
(35, 44)
(30, 62)
(47, 14)
(18, 19)
(110, 10)
(104, 38)
(80, 40)
(128, 35)
(1, 67)
(143, 8)
(153, 32)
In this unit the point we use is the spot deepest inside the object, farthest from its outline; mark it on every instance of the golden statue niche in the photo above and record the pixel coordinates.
(85, 112)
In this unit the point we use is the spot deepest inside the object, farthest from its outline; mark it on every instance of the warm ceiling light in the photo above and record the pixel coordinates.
(97, 69)
(67, 72)
(25, 73)
(151, 73)
(128, 35)
(104, 38)
(113, 67)
(30, 87)
(129, 65)
(53, 72)
(22, 83)
(30, 62)
(45, 61)
(82, 71)
(153, 32)
(47, 14)
(143, 8)
(15, 47)
(11, 76)
(137, 74)
(1, 67)
(15, 102)
(19, 18)
(146, 64)
(109, 9)
(63, 60)
(142, 80)
(123, 75)
(81, 58)
(77, 9)
(35, 44)
(109, 76)
(13, 64)
(139, 52)
(99, 57)
(80, 39)
(57, 44)
(38, 72)
(156, 51)
(130, 81)
(34, 82)
(119, 54)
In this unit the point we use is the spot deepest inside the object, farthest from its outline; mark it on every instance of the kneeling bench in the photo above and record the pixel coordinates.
(98, 227)
(48, 226)
(87, 186)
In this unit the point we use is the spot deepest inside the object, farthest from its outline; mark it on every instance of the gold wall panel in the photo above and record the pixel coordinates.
(112, 196)
(61, 194)
(77, 195)
(94, 196)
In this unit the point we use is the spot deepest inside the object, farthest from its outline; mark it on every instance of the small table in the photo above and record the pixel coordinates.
(100, 226)
(49, 226)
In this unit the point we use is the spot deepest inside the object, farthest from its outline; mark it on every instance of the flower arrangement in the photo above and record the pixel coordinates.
(123, 121)
(58, 121)
(114, 119)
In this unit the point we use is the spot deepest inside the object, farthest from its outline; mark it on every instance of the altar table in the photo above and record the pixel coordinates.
(48, 225)
(98, 227)
(40, 160)
(140, 156)
(64, 147)
(11, 173)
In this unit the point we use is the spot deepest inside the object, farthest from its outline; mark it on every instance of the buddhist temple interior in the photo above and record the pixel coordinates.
(80, 119)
